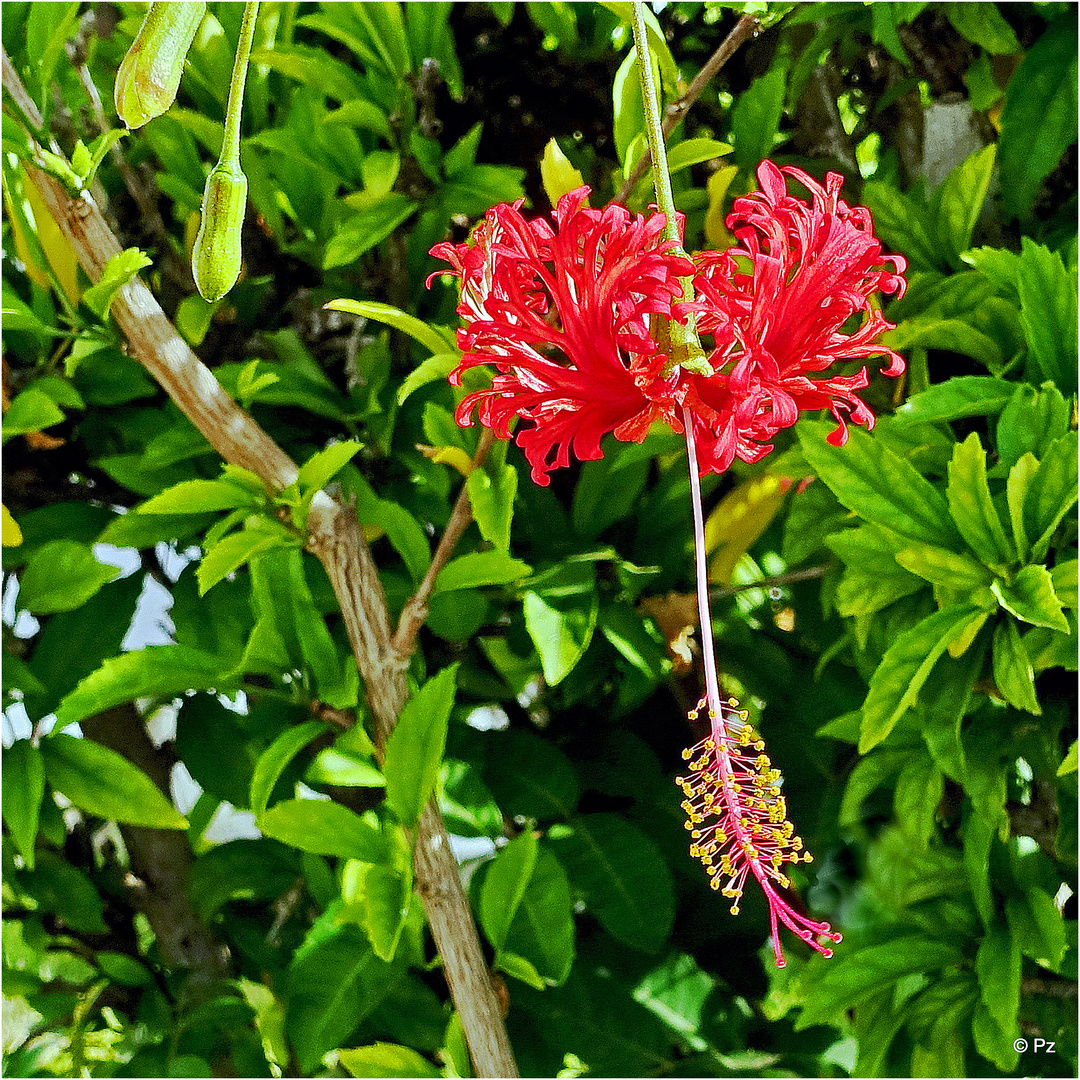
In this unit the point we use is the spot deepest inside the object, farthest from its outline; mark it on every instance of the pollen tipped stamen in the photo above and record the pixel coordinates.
(738, 824)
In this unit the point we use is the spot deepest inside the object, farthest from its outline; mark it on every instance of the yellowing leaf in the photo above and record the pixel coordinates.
(716, 231)
(12, 534)
(741, 517)
(557, 174)
(449, 455)
(55, 244)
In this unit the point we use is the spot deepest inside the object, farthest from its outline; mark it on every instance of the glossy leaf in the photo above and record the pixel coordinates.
(62, 575)
(22, 793)
(972, 507)
(323, 828)
(504, 886)
(1030, 596)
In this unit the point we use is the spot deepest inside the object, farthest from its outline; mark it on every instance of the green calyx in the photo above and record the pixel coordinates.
(216, 257)
(149, 74)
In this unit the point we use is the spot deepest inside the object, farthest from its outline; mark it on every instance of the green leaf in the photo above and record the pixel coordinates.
(895, 685)
(971, 506)
(63, 889)
(102, 782)
(275, 757)
(233, 551)
(322, 467)
(942, 567)
(504, 886)
(997, 965)
(1051, 493)
(994, 1042)
(31, 410)
(856, 975)
(755, 119)
(959, 202)
(161, 671)
(22, 792)
(433, 368)
(519, 968)
(342, 769)
(366, 228)
(1038, 926)
(402, 529)
(362, 114)
(529, 777)
(119, 270)
(491, 493)
(480, 568)
(385, 1059)
(919, 788)
(1030, 422)
(542, 930)
(386, 904)
(561, 618)
(61, 576)
(1048, 312)
(323, 828)
(436, 340)
(950, 335)
(984, 25)
(954, 399)
(873, 578)
(332, 986)
(879, 486)
(1031, 597)
(214, 749)
(622, 878)
(199, 497)
(1013, 672)
(313, 67)
(415, 748)
(1038, 120)
(694, 152)
(1016, 492)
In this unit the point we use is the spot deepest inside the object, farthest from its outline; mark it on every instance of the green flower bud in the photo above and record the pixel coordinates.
(215, 259)
(149, 75)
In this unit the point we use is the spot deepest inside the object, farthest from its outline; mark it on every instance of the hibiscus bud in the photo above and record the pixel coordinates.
(215, 259)
(149, 74)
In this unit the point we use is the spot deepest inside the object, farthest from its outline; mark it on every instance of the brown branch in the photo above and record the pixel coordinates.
(790, 578)
(336, 539)
(161, 859)
(415, 610)
(745, 28)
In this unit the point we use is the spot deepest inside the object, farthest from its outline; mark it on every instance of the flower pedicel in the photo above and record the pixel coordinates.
(564, 317)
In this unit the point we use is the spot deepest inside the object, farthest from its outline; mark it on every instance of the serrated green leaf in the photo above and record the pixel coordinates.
(895, 685)
(156, 671)
(625, 883)
(504, 886)
(1048, 311)
(100, 781)
(61, 576)
(437, 340)
(323, 828)
(971, 506)
(954, 399)
(879, 486)
(1051, 493)
(942, 567)
(415, 748)
(480, 568)
(366, 228)
(919, 788)
(22, 791)
(1013, 673)
(1031, 597)
(1016, 491)
(1030, 422)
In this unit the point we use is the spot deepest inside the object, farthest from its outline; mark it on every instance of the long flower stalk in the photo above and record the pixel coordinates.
(737, 817)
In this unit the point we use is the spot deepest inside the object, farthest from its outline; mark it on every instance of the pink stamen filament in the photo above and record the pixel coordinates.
(739, 792)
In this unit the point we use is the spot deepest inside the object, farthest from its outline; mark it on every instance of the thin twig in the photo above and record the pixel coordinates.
(415, 610)
(745, 28)
(790, 578)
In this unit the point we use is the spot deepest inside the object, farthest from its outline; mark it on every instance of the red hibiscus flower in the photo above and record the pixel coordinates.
(563, 316)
